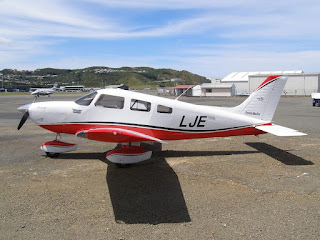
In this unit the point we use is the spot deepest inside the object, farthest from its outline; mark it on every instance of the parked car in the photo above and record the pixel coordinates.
(315, 99)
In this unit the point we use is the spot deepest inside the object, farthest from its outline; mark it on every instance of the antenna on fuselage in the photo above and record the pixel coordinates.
(185, 92)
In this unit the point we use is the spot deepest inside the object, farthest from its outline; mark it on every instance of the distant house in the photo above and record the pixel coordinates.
(165, 91)
(179, 89)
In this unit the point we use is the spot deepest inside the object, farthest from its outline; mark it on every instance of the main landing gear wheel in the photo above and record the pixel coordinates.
(127, 155)
(52, 155)
(120, 165)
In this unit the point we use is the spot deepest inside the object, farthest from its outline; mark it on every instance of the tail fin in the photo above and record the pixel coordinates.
(262, 103)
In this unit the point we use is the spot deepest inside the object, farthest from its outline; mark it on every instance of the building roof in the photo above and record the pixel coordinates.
(244, 76)
(183, 86)
(217, 85)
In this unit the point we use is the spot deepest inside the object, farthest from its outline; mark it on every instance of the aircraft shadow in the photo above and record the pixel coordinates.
(148, 193)
(171, 153)
(279, 154)
(86, 156)
(164, 154)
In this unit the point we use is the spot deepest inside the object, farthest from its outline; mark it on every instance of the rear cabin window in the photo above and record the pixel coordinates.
(86, 100)
(109, 101)
(164, 109)
(139, 105)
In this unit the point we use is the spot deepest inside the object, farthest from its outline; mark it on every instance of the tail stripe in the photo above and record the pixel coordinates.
(269, 80)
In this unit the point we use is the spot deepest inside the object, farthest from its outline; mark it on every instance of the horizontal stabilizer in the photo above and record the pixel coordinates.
(280, 131)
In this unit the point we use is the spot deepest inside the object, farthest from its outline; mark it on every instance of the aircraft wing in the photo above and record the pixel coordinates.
(279, 130)
(117, 135)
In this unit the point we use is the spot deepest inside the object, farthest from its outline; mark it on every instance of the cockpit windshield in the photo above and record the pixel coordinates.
(86, 100)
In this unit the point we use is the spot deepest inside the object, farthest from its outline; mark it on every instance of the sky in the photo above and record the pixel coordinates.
(211, 38)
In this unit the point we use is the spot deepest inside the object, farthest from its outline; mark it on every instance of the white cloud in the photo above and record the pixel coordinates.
(252, 30)
(171, 4)
(60, 19)
(4, 41)
(251, 7)
(49, 11)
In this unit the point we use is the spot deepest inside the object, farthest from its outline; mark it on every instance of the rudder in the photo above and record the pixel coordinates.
(262, 103)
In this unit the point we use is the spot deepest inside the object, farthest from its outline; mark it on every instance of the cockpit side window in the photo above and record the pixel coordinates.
(139, 105)
(164, 109)
(109, 101)
(86, 100)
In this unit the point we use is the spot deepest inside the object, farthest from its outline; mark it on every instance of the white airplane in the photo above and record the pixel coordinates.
(44, 91)
(129, 118)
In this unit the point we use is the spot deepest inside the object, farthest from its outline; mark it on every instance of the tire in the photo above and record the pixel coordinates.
(317, 104)
(119, 165)
(52, 155)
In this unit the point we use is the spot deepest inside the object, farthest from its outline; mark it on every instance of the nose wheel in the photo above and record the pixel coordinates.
(55, 147)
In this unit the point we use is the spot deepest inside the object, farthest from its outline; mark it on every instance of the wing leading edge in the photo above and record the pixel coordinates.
(116, 135)
(280, 131)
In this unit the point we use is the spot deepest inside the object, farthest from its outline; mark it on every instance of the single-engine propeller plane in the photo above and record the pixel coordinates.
(129, 118)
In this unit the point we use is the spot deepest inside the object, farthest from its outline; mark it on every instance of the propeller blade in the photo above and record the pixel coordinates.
(23, 119)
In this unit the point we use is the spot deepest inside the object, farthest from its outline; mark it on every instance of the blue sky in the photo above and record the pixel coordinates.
(207, 37)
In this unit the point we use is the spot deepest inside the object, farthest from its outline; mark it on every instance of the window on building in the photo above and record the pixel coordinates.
(209, 90)
(164, 109)
(109, 101)
(86, 100)
(139, 105)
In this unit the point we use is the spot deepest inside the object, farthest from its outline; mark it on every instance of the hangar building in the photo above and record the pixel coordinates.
(217, 89)
(299, 83)
(214, 89)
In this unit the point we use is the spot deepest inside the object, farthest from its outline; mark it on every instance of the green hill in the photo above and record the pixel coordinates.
(98, 76)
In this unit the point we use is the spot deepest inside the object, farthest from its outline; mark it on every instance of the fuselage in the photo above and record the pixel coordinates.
(43, 91)
(159, 117)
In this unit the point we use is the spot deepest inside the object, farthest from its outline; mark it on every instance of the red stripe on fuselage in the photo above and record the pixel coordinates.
(156, 133)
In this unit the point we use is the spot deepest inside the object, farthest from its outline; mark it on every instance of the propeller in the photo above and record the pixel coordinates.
(23, 119)
(25, 109)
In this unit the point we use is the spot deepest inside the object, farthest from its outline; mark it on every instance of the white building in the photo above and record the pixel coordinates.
(79, 88)
(299, 83)
(217, 89)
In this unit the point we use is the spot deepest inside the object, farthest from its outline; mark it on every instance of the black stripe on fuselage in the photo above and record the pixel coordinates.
(158, 127)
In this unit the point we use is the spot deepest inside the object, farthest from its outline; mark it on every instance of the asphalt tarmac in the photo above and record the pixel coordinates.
(220, 188)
